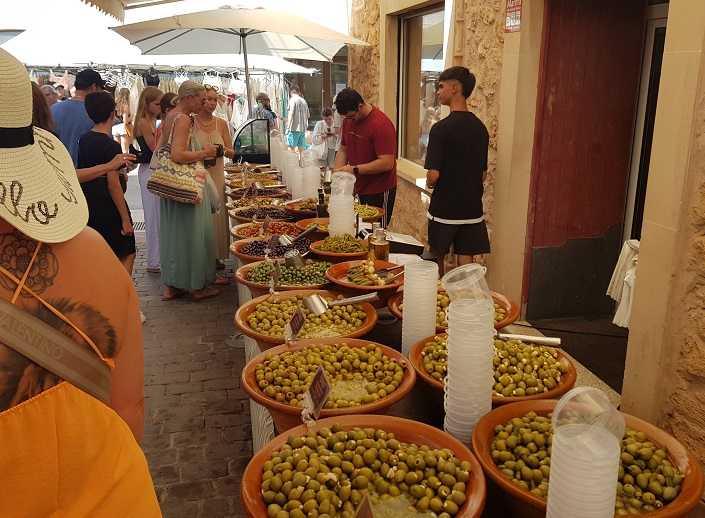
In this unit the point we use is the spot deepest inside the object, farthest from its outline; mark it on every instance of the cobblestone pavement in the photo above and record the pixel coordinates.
(197, 424)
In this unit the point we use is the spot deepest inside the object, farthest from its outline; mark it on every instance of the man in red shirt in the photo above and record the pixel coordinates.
(368, 149)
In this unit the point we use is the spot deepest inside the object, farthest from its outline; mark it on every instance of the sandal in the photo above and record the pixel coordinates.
(205, 293)
(172, 293)
(221, 281)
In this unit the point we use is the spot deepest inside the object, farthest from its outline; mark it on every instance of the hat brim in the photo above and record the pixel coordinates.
(39, 191)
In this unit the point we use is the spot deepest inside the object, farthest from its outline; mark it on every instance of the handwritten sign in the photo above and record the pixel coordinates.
(365, 508)
(293, 327)
(512, 21)
(317, 394)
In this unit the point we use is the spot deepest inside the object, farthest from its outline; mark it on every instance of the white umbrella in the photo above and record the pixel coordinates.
(219, 31)
(8, 34)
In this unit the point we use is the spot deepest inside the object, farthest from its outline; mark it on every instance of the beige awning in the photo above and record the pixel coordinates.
(117, 8)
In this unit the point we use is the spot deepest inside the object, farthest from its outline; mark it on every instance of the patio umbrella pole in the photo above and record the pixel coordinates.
(243, 35)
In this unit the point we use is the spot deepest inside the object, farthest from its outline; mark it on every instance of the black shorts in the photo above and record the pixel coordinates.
(470, 239)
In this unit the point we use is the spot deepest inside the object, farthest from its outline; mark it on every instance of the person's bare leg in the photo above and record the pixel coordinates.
(465, 259)
(129, 263)
(441, 265)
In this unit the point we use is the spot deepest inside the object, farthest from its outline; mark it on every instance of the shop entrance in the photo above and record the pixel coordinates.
(588, 88)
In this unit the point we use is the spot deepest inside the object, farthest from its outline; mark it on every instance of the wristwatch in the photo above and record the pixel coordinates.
(356, 170)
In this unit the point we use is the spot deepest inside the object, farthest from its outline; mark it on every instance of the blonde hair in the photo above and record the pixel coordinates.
(190, 88)
(148, 96)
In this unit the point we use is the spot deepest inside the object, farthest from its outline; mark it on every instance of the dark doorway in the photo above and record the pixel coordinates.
(588, 86)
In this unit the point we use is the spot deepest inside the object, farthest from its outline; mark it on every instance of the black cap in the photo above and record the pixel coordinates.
(87, 77)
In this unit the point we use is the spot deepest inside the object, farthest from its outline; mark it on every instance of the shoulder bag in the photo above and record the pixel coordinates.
(177, 182)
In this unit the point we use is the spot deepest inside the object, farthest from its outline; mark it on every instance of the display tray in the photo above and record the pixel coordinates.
(376, 217)
(567, 382)
(237, 230)
(237, 246)
(404, 430)
(258, 288)
(267, 342)
(286, 416)
(527, 504)
(237, 215)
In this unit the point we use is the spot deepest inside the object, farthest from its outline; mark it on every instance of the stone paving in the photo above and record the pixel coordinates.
(197, 424)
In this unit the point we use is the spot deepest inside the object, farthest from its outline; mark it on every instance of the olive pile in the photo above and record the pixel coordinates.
(249, 202)
(366, 211)
(270, 317)
(327, 473)
(342, 244)
(442, 303)
(262, 212)
(357, 375)
(274, 227)
(647, 479)
(309, 205)
(313, 272)
(257, 247)
(520, 369)
(264, 191)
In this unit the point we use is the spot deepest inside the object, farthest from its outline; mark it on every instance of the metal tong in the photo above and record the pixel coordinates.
(318, 305)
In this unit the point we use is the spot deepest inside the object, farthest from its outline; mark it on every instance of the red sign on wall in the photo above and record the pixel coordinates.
(512, 22)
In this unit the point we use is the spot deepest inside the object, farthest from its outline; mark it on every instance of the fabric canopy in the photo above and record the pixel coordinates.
(221, 31)
(117, 8)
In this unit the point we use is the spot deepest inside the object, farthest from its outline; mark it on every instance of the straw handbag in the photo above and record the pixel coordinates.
(178, 182)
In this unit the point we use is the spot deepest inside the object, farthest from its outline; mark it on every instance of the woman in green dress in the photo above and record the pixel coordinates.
(186, 240)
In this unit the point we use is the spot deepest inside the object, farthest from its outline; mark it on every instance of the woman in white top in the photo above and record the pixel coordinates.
(324, 135)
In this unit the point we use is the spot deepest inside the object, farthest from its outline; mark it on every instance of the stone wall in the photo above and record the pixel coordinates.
(684, 413)
(363, 62)
(481, 44)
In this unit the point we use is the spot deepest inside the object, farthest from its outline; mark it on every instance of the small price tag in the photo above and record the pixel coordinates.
(316, 395)
(265, 225)
(273, 241)
(365, 508)
(293, 327)
(274, 278)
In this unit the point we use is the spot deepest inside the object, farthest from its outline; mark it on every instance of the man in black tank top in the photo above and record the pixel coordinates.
(456, 161)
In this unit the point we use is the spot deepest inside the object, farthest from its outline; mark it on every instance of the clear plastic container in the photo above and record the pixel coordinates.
(587, 433)
(467, 282)
(342, 184)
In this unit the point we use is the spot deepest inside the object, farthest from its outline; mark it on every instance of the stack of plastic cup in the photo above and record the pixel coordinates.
(311, 181)
(420, 287)
(468, 384)
(274, 151)
(291, 171)
(587, 433)
(341, 205)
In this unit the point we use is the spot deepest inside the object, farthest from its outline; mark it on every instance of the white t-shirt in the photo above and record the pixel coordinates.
(320, 130)
(298, 114)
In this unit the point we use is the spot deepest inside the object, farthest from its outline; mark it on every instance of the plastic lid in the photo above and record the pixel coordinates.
(466, 282)
(588, 406)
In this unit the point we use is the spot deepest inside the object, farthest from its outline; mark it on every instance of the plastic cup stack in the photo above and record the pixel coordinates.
(291, 171)
(587, 432)
(275, 152)
(468, 384)
(420, 286)
(311, 181)
(341, 205)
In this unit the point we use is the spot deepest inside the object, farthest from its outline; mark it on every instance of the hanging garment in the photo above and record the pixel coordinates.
(630, 250)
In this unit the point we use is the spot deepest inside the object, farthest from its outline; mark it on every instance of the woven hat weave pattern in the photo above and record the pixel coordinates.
(39, 191)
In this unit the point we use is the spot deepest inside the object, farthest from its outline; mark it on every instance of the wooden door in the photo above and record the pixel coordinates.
(590, 68)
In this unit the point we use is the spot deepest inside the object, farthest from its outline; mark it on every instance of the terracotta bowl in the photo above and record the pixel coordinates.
(236, 214)
(305, 223)
(257, 288)
(336, 274)
(265, 200)
(404, 429)
(525, 503)
(274, 193)
(286, 416)
(336, 257)
(293, 230)
(267, 342)
(295, 208)
(512, 309)
(567, 380)
(376, 217)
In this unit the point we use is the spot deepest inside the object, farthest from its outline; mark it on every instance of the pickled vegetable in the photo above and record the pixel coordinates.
(342, 244)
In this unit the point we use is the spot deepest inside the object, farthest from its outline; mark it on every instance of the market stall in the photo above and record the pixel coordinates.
(406, 424)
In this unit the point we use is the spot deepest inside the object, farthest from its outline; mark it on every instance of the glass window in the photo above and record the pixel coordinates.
(421, 64)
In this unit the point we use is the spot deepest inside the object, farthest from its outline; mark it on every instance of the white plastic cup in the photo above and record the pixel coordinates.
(420, 288)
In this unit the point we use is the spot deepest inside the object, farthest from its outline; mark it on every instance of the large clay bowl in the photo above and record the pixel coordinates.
(295, 208)
(336, 257)
(237, 230)
(303, 224)
(237, 215)
(526, 504)
(567, 380)
(376, 217)
(258, 288)
(337, 272)
(405, 430)
(286, 416)
(512, 309)
(267, 342)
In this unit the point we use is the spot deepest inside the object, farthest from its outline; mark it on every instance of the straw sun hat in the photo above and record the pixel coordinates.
(39, 192)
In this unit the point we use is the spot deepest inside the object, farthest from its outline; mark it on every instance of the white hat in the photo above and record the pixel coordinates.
(39, 191)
